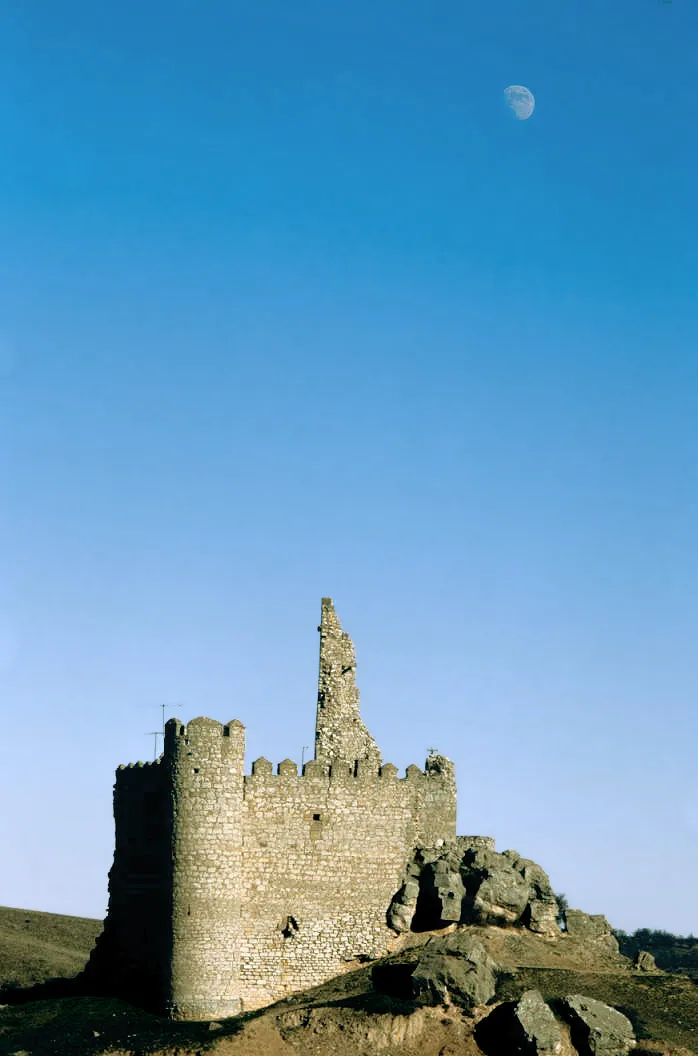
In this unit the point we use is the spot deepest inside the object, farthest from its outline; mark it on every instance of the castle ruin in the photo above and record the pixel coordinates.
(231, 890)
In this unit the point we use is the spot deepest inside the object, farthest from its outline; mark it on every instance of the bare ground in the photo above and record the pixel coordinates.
(345, 1017)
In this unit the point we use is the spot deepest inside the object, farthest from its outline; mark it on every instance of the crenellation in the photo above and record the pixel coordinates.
(262, 768)
(230, 890)
(365, 769)
(340, 771)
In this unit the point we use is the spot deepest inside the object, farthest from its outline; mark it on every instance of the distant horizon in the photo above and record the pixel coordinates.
(292, 305)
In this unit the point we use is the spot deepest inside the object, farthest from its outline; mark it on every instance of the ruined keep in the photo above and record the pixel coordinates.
(230, 890)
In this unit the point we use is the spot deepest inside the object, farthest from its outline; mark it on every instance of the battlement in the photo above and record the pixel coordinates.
(263, 770)
(200, 730)
(140, 765)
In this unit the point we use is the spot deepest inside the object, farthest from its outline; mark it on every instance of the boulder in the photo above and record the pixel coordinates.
(454, 970)
(526, 1026)
(645, 961)
(400, 916)
(469, 843)
(536, 1025)
(443, 888)
(403, 906)
(537, 879)
(597, 1029)
(498, 892)
(594, 929)
(542, 917)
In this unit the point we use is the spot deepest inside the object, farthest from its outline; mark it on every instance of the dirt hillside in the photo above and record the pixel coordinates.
(345, 1016)
(37, 946)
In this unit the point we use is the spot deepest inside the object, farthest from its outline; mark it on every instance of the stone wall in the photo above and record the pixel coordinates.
(323, 855)
(132, 955)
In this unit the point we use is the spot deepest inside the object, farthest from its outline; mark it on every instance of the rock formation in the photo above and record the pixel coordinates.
(529, 1026)
(593, 929)
(597, 1029)
(524, 1026)
(644, 960)
(538, 1030)
(468, 882)
(454, 969)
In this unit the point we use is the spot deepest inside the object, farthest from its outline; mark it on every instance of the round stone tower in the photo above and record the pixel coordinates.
(206, 763)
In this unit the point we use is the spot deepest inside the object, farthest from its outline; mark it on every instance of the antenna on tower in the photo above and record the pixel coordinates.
(154, 734)
(164, 707)
(306, 748)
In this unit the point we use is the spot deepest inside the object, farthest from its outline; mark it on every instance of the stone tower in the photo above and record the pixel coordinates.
(340, 735)
(205, 763)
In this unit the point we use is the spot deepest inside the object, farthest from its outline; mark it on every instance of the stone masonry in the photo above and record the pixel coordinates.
(230, 890)
(340, 735)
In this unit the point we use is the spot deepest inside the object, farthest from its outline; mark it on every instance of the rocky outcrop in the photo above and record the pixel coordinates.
(592, 929)
(454, 969)
(499, 892)
(538, 1030)
(403, 907)
(448, 888)
(529, 1026)
(441, 888)
(597, 1029)
(645, 961)
(543, 917)
(468, 882)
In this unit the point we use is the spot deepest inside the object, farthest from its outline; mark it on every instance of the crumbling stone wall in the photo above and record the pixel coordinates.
(340, 735)
(230, 891)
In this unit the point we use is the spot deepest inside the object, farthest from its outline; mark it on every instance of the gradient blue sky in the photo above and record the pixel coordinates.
(291, 305)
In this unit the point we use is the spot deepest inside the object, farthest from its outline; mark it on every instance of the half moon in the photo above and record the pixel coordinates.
(520, 100)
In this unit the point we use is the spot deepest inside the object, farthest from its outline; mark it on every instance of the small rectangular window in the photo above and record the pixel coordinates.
(316, 817)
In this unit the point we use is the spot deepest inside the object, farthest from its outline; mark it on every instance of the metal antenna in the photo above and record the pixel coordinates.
(155, 734)
(306, 748)
(433, 751)
(164, 707)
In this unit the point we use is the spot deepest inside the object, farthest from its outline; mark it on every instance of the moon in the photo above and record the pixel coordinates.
(520, 100)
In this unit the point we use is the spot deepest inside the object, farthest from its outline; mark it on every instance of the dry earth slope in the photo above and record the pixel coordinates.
(38, 946)
(346, 1016)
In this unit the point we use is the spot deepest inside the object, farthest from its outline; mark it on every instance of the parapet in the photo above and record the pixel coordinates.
(203, 731)
(139, 765)
(362, 771)
(140, 778)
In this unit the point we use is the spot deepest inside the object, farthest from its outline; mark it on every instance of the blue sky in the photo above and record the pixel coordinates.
(291, 305)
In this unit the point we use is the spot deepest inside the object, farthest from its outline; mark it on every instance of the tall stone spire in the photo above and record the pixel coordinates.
(340, 735)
